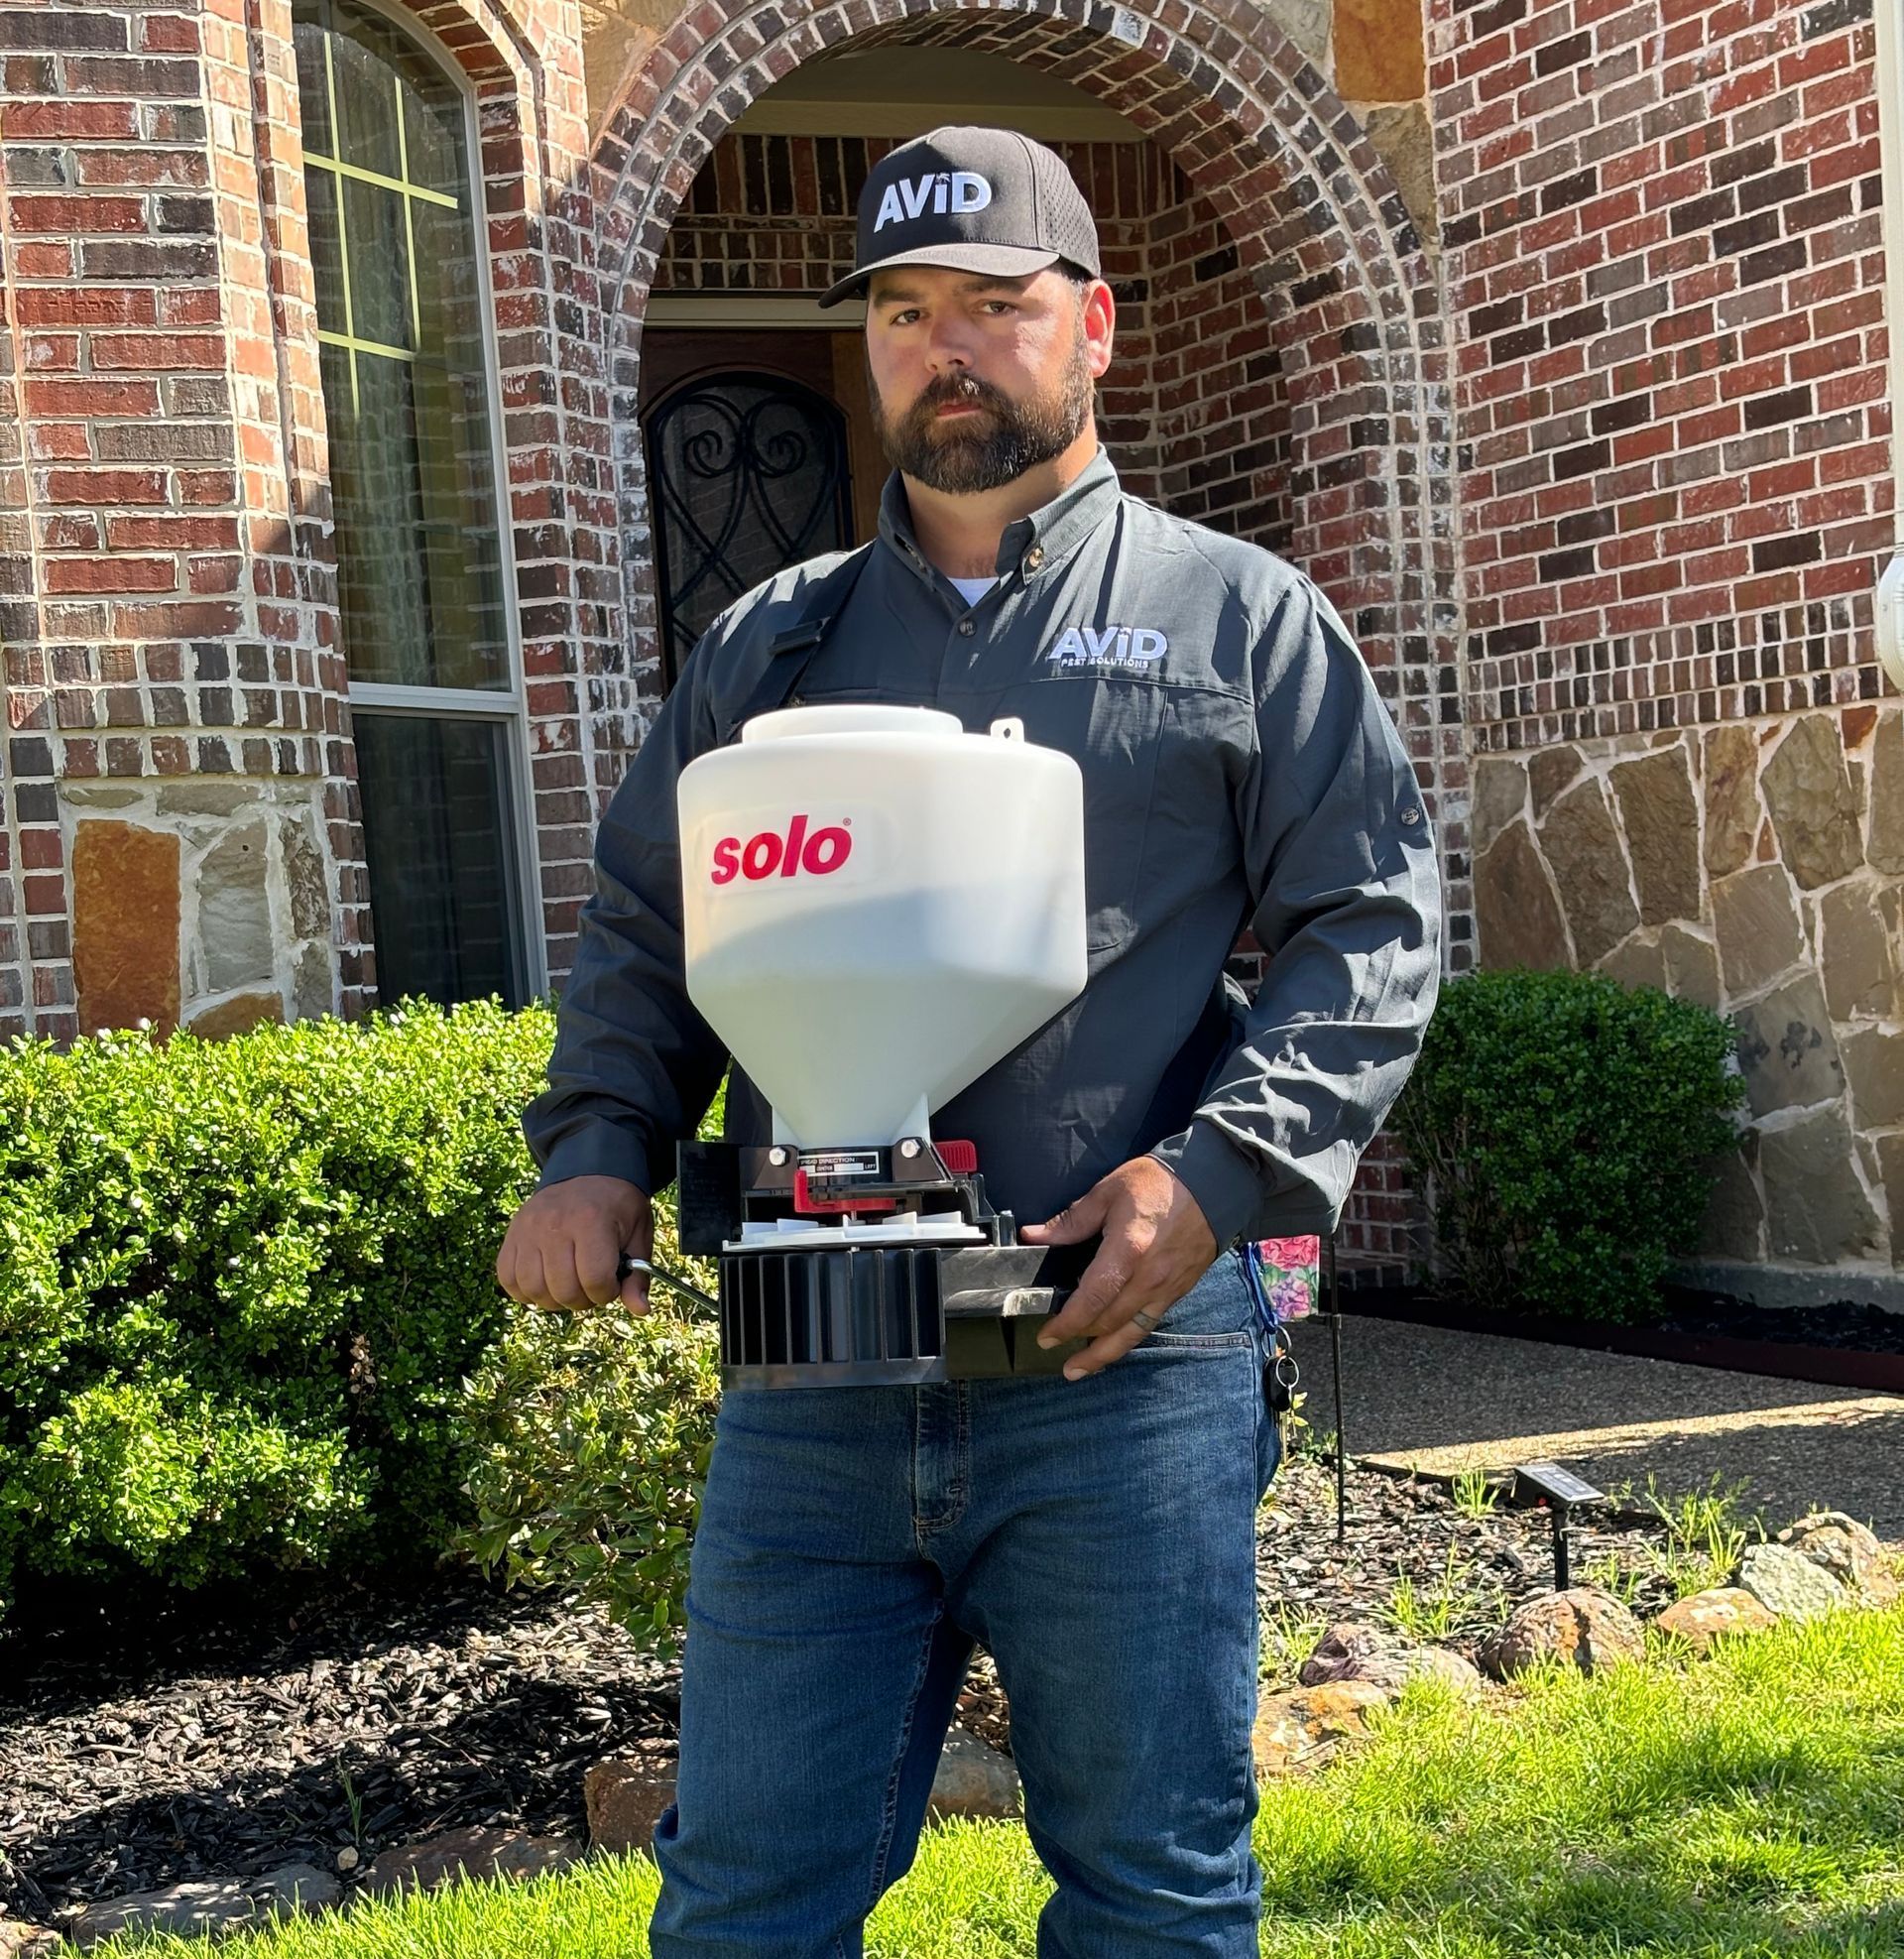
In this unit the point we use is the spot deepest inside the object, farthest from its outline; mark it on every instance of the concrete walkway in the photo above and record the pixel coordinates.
(1440, 1402)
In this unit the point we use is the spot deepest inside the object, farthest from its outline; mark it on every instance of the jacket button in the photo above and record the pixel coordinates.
(1411, 816)
(1035, 557)
(967, 628)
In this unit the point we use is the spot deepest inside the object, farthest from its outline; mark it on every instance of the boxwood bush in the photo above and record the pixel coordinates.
(242, 1284)
(1568, 1125)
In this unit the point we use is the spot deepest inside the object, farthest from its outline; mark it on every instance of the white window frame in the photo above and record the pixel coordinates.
(506, 706)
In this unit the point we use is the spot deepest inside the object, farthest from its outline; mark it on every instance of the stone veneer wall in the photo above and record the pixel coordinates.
(1754, 867)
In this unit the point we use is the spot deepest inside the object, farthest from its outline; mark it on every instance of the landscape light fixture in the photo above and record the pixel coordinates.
(1560, 1489)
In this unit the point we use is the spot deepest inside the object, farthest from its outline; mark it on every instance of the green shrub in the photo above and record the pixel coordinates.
(1567, 1125)
(242, 1284)
(591, 1434)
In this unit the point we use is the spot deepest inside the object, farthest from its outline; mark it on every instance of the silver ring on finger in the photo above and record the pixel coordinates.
(1144, 1320)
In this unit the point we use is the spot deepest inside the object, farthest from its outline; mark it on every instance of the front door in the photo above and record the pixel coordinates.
(761, 453)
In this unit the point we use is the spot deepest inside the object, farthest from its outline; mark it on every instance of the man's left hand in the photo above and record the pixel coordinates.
(1156, 1245)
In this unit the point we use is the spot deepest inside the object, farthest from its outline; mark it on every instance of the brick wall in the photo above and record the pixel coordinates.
(1664, 264)
(165, 526)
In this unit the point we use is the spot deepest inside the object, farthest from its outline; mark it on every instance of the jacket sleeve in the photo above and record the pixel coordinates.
(1347, 892)
(634, 1065)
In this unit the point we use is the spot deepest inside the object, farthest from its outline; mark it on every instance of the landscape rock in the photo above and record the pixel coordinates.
(1589, 1629)
(974, 1778)
(1582, 847)
(214, 1906)
(457, 1855)
(1788, 1583)
(1708, 1616)
(1849, 1552)
(1661, 821)
(624, 1798)
(1807, 790)
(1351, 1652)
(20, 1940)
(1300, 1727)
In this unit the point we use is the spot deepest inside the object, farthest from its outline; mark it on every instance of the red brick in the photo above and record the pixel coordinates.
(110, 574)
(66, 216)
(103, 486)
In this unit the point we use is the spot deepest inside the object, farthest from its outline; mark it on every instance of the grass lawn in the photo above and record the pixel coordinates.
(1723, 1809)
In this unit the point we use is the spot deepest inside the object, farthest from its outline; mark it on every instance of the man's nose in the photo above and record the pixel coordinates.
(948, 347)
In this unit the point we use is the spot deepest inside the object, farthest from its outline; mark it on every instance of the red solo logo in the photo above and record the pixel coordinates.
(768, 854)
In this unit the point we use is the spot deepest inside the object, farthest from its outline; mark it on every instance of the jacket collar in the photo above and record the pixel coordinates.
(1049, 533)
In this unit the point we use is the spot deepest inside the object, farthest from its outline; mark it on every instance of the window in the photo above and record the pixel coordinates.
(423, 581)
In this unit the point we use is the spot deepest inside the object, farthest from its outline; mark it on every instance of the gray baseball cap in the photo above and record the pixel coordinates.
(975, 200)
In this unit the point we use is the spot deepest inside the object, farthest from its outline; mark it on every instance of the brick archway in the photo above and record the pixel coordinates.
(1330, 262)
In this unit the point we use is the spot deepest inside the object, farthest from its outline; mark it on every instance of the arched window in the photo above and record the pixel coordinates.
(748, 472)
(422, 578)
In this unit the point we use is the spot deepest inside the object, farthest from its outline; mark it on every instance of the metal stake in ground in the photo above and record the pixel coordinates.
(1335, 1346)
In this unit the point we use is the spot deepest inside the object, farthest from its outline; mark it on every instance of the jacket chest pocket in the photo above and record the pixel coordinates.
(1113, 728)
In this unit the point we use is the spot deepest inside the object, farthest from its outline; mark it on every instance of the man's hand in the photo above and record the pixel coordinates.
(1156, 1245)
(563, 1249)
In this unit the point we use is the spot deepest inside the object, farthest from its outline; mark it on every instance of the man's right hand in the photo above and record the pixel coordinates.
(563, 1249)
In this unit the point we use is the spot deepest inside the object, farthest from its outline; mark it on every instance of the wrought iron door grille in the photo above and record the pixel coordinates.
(750, 475)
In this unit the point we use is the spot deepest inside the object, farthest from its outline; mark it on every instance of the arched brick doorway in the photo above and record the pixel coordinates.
(1333, 277)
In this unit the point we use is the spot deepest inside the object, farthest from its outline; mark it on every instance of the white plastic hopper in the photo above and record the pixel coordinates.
(877, 906)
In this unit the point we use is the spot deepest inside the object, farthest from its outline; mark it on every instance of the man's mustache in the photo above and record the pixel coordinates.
(963, 388)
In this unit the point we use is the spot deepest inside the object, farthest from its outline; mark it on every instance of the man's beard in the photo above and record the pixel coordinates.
(973, 454)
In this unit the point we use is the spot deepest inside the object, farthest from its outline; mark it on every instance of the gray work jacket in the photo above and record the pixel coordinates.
(1239, 768)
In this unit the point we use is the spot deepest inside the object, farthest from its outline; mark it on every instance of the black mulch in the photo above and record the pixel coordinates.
(144, 1744)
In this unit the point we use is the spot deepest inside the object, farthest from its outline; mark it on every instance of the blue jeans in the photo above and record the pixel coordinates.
(1098, 1537)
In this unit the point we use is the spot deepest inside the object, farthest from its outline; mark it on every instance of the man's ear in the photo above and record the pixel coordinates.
(1100, 320)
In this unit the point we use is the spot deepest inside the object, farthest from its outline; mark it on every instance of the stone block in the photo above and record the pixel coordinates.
(1403, 141)
(237, 1016)
(1306, 22)
(624, 1798)
(1855, 954)
(1516, 914)
(1849, 1552)
(125, 926)
(1582, 849)
(1813, 812)
(1638, 962)
(1692, 966)
(306, 877)
(1788, 1584)
(1890, 1170)
(1734, 1226)
(204, 797)
(1350, 1650)
(1886, 846)
(311, 986)
(1731, 786)
(234, 911)
(1787, 1048)
(1706, 1617)
(1815, 1207)
(1300, 1727)
(1755, 922)
(1586, 1628)
(1549, 771)
(1661, 821)
(217, 1904)
(1500, 794)
(458, 1855)
(974, 1778)
(1874, 1068)
(1378, 50)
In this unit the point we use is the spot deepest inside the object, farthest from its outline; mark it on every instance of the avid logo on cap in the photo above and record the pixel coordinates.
(959, 191)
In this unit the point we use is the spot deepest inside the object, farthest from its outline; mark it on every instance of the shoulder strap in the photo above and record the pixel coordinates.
(790, 651)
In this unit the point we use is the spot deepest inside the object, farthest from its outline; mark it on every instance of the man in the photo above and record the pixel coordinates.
(1095, 1529)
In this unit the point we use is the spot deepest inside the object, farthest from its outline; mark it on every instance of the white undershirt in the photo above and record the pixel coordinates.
(973, 589)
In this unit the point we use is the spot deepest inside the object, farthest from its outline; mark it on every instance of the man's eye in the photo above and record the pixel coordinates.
(1000, 306)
